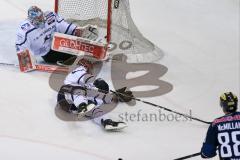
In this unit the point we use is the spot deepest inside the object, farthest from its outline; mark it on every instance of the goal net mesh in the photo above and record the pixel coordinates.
(115, 25)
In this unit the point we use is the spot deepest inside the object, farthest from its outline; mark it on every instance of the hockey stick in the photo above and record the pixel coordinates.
(189, 156)
(161, 107)
(51, 68)
(42, 67)
(8, 64)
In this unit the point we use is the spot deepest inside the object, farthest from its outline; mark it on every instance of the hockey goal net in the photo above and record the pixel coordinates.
(115, 25)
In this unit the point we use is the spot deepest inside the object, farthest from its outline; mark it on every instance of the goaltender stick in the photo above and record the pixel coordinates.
(35, 34)
(84, 95)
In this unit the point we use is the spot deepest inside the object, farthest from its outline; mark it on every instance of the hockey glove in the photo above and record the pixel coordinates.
(26, 61)
(123, 95)
(89, 31)
(101, 85)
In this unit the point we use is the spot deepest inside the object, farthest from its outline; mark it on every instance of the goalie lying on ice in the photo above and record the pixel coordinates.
(84, 95)
(35, 34)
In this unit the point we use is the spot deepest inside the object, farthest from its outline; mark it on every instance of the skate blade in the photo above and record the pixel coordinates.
(118, 128)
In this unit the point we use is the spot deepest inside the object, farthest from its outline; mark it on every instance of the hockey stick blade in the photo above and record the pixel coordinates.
(42, 67)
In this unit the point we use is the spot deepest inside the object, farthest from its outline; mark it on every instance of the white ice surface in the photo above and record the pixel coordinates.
(200, 39)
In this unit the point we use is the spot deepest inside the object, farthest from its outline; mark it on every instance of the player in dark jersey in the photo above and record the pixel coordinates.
(224, 132)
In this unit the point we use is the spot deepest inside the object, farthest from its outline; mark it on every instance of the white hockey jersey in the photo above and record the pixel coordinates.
(81, 77)
(38, 40)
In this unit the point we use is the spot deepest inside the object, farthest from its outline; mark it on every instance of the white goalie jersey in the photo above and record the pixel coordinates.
(38, 40)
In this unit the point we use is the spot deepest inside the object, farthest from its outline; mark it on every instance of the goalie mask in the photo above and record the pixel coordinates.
(229, 102)
(36, 16)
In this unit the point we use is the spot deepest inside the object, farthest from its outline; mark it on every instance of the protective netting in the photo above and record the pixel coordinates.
(125, 37)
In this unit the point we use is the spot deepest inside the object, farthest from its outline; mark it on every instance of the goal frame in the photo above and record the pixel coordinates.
(109, 18)
(117, 30)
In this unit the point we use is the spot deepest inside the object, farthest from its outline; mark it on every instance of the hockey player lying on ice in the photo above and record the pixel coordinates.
(84, 95)
(34, 35)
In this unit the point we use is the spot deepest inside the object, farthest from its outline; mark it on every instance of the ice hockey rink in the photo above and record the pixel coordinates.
(200, 40)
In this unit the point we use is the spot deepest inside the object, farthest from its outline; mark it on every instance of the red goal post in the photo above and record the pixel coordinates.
(69, 8)
(115, 25)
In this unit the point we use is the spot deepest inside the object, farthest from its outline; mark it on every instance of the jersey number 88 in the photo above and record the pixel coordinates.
(226, 150)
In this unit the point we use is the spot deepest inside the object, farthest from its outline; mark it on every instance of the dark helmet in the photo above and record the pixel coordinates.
(36, 16)
(229, 102)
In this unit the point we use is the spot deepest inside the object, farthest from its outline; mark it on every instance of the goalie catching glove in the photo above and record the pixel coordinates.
(89, 31)
(123, 95)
